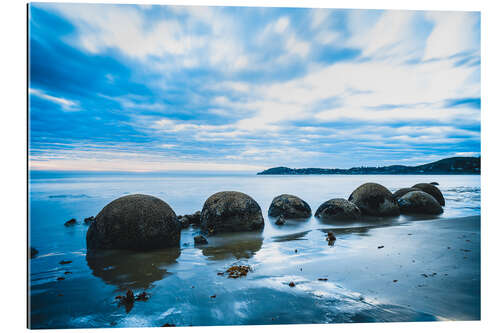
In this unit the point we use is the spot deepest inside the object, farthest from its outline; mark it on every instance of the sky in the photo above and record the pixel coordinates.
(161, 88)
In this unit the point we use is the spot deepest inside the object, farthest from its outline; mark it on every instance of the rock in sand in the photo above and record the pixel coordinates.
(375, 200)
(231, 211)
(289, 206)
(134, 222)
(338, 209)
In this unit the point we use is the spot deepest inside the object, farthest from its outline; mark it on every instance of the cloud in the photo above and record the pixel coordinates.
(212, 87)
(453, 33)
(66, 104)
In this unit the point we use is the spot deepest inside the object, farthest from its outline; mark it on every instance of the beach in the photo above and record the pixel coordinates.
(409, 268)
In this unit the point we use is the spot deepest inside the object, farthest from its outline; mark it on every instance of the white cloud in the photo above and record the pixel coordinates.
(393, 36)
(66, 104)
(167, 146)
(295, 45)
(125, 28)
(454, 32)
(281, 25)
(318, 17)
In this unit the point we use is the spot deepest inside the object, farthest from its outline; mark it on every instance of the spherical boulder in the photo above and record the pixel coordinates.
(338, 209)
(134, 222)
(289, 206)
(375, 200)
(419, 202)
(230, 211)
(432, 190)
(402, 191)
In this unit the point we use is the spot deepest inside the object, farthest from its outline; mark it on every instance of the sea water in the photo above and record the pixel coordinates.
(183, 284)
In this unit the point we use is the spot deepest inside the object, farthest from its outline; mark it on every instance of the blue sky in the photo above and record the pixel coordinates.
(158, 88)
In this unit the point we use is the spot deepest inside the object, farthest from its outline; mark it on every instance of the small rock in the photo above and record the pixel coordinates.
(394, 280)
(70, 223)
(322, 279)
(89, 220)
(291, 284)
(280, 220)
(200, 240)
(220, 273)
(59, 295)
(60, 278)
(330, 238)
(65, 262)
(380, 247)
(213, 296)
(168, 325)
(67, 272)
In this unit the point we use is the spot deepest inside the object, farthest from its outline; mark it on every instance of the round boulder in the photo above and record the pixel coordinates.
(432, 190)
(230, 211)
(375, 200)
(338, 209)
(419, 202)
(289, 206)
(402, 191)
(134, 222)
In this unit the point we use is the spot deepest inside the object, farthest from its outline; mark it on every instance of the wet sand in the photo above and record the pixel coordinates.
(420, 270)
(431, 267)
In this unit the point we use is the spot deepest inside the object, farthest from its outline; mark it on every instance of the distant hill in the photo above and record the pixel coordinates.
(447, 166)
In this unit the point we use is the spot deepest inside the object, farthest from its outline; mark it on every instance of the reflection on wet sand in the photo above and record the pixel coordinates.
(291, 237)
(127, 269)
(237, 245)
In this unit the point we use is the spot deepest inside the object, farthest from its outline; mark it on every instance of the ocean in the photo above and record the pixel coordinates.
(181, 282)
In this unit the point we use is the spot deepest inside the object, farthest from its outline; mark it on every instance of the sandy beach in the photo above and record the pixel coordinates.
(431, 267)
(421, 270)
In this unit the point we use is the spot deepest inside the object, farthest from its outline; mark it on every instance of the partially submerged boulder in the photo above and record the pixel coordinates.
(230, 211)
(432, 190)
(289, 206)
(402, 191)
(135, 222)
(338, 209)
(419, 202)
(375, 200)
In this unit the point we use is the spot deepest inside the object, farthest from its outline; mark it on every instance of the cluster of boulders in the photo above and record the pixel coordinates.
(373, 199)
(143, 222)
